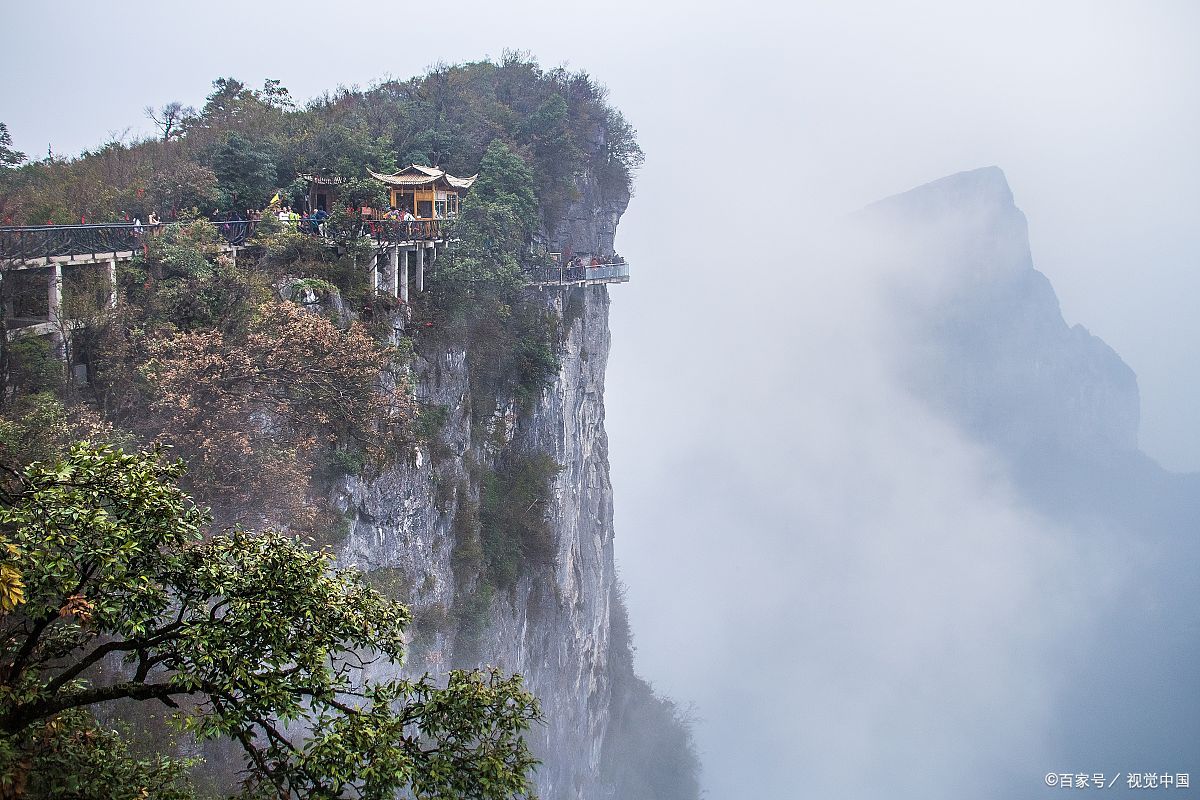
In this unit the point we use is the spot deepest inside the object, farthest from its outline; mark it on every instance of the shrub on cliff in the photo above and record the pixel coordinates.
(254, 413)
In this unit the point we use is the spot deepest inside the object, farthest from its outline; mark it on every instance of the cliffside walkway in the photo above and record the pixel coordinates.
(586, 275)
(33, 246)
(404, 251)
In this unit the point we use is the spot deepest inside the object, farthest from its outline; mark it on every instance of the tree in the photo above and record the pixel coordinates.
(505, 178)
(260, 634)
(246, 171)
(255, 413)
(276, 95)
(8, 156)
(170, 118)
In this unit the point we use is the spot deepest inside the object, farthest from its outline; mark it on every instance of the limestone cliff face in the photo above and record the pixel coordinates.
(409, 528)
(589, 226)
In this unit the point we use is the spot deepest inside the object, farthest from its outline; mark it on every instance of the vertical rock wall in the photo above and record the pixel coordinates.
(553, 627)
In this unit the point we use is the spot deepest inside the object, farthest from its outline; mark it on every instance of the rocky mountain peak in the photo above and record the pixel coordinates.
(996, 353)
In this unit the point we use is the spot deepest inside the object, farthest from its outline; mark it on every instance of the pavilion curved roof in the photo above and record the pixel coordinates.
(418, 175)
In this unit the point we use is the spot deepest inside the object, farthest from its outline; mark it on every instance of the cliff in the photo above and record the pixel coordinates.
(430, 531)
(553, 625)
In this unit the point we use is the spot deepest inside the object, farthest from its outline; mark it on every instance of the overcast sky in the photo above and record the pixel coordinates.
(760, 122)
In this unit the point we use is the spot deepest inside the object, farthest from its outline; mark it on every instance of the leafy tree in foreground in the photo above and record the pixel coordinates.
(259, 636)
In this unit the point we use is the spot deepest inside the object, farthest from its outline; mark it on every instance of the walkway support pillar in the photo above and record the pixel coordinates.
(54, 292)
(420, 269)
(112, 283)
(403, 295)
(393, 287)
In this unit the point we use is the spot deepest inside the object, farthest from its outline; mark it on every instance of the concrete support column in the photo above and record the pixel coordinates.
(374, 278)
(54, 296)
(112, 283)
(420, 269)
(393, 287)
(404, 277)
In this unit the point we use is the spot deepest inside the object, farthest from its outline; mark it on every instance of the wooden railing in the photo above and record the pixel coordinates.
(391, 231)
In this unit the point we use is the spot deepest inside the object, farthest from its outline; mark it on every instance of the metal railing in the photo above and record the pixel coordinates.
(237, 231)
(608, 272)
(47, 241)
(51, 241)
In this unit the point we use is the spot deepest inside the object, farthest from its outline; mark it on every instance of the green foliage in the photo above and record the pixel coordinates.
(32, 366)
(32, 429)
(254, 141)
(245, 170)
(648, 751)
(349, 459)
(536, 354)
(514, 529)
(76, 757)
(9, 157)
(38, 427)
(483, 272)
(621, 154)
(321, 287)
(183, 251)
(180, 186)
(467, 556)
(471, 614)
(505, 180)
(430, 421)
(255, 628)
(478, 296)
(337, 150)
(358, 193)
(184, 281)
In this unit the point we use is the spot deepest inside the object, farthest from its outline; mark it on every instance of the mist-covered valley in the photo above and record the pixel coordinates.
(914, 550)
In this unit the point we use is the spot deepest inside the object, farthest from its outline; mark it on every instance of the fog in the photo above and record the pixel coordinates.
(860, 605)
(845, 585)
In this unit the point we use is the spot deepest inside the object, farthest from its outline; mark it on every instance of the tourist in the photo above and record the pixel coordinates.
(318, 221)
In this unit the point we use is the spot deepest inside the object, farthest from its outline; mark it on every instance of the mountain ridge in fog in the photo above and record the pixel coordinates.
(1005, 362)
(986, 347)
